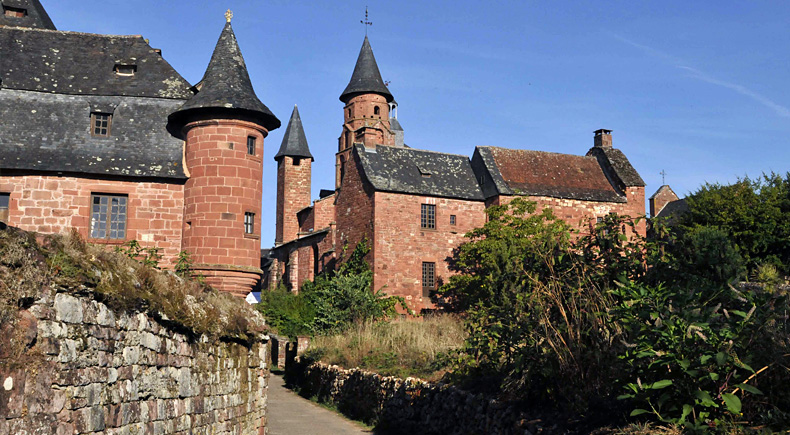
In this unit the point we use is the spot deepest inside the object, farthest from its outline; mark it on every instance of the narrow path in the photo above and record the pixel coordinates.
(290, 414)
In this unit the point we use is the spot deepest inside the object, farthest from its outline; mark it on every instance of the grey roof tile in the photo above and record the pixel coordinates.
(36, 16)
(614, 161)
(366, 78)
(419, 172)
(226, 88)
(294, 142)
(83, 64)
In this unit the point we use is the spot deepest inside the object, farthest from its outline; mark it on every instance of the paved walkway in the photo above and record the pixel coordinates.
(291, 414)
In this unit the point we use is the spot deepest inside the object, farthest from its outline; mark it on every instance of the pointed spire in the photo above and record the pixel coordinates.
(294, 141)
(226, 89)
(366, 78)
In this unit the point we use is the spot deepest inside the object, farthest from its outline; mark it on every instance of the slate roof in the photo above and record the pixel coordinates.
(294, 142)
(366, 78)
(419, 172)
(83, 64)
(523, 172)
(395, 125)
(50, 132)
(673, 209)
(613, 160)
(36, 16)
(226, 87)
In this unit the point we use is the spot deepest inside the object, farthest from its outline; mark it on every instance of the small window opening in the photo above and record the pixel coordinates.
(249, 223)
(251, 145)
(297, 161)
(349, 113)
(428, 278)
(5, 200)
(108, 216)
(428, 216)
(100, 123)
(376, 110)
(8, 11)
(125, 70)
(452, 219)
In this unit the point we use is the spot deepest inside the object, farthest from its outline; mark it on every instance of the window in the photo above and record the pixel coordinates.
(108, 217)
(376, 110)
(249, 223)
(251, 145)
(452, 219)
(100, 123)
(8, 11)
(5, 199)
(125, 70)
(297, 161)
(428, 216)
(428, 278)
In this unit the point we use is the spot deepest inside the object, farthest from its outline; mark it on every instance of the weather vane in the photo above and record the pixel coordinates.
(366, 22)
(228, 15)
(663, 176)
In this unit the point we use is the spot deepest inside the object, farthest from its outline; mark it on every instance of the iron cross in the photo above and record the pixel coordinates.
(366, 22)
(663, 175)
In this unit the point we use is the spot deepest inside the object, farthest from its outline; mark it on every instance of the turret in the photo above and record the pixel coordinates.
(294, 163)
(223, 127)
(366, 117)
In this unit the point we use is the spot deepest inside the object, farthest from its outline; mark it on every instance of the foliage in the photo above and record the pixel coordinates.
(332, 302)
(183, 264)
(752, 213)
(149, 256)
(403, 348)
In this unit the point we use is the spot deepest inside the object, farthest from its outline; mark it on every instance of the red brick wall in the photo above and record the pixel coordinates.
(225, 182)
(664, 196)
(293, 194)
(353, 210)
(52, 204)
(580, 214)
(401, 245)
(323, 212)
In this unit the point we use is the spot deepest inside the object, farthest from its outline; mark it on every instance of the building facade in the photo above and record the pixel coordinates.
(112, 142)
(413, 205)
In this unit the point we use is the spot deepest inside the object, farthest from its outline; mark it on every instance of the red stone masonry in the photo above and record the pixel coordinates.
(362, 125)
(293, 194)
(225, 183)
(663, 196)
(401, 245)
(354, 210)
(52, 204)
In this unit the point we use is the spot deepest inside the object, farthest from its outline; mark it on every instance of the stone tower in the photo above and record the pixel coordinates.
(366, 117)
(294, 162)
(223, 127)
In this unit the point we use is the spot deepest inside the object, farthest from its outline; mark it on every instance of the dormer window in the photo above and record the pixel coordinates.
(8, 11)
(125, 69)
(100, 124)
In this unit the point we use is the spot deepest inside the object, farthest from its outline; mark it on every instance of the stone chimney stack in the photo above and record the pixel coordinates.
(603, 138)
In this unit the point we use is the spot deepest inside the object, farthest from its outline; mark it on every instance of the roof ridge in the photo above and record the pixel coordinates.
(537, 151)
(68, 32)
(425, 151)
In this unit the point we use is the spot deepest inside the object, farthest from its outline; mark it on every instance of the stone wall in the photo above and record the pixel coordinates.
(84, 368)
(406, 405)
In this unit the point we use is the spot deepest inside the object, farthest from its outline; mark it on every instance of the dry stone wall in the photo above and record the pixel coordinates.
(88, 369)
(406, 405)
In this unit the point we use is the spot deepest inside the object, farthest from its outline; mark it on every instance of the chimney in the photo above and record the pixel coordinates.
(603, 138)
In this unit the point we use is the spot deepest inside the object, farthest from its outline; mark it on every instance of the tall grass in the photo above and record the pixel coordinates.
(406, 347)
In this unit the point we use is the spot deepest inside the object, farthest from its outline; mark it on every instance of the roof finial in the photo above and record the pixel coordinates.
(366, 22)
(663, 176)
(228, 15)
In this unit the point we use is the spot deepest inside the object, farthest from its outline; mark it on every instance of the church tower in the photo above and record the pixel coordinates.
(223, 127)
(366, 117)
(294, 163)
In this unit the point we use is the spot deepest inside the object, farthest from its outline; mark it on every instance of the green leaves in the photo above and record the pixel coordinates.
(733, 402)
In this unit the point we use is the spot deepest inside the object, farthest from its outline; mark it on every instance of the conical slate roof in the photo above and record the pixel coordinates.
(294, 142)
(226, 89)
(366, 78)
(35, 15)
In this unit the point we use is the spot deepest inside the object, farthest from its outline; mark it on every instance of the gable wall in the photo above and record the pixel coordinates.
(401, 245)
(51, 204)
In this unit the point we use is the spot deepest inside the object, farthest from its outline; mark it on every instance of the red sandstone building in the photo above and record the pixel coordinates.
(414, 205)
(100, 134)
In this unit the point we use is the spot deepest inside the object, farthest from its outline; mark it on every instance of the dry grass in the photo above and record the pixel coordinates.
(69, 264)
(399, 348)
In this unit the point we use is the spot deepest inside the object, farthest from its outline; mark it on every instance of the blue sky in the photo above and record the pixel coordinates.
(698, 89)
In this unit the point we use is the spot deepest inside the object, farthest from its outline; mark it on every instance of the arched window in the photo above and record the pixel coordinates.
(376, 110)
